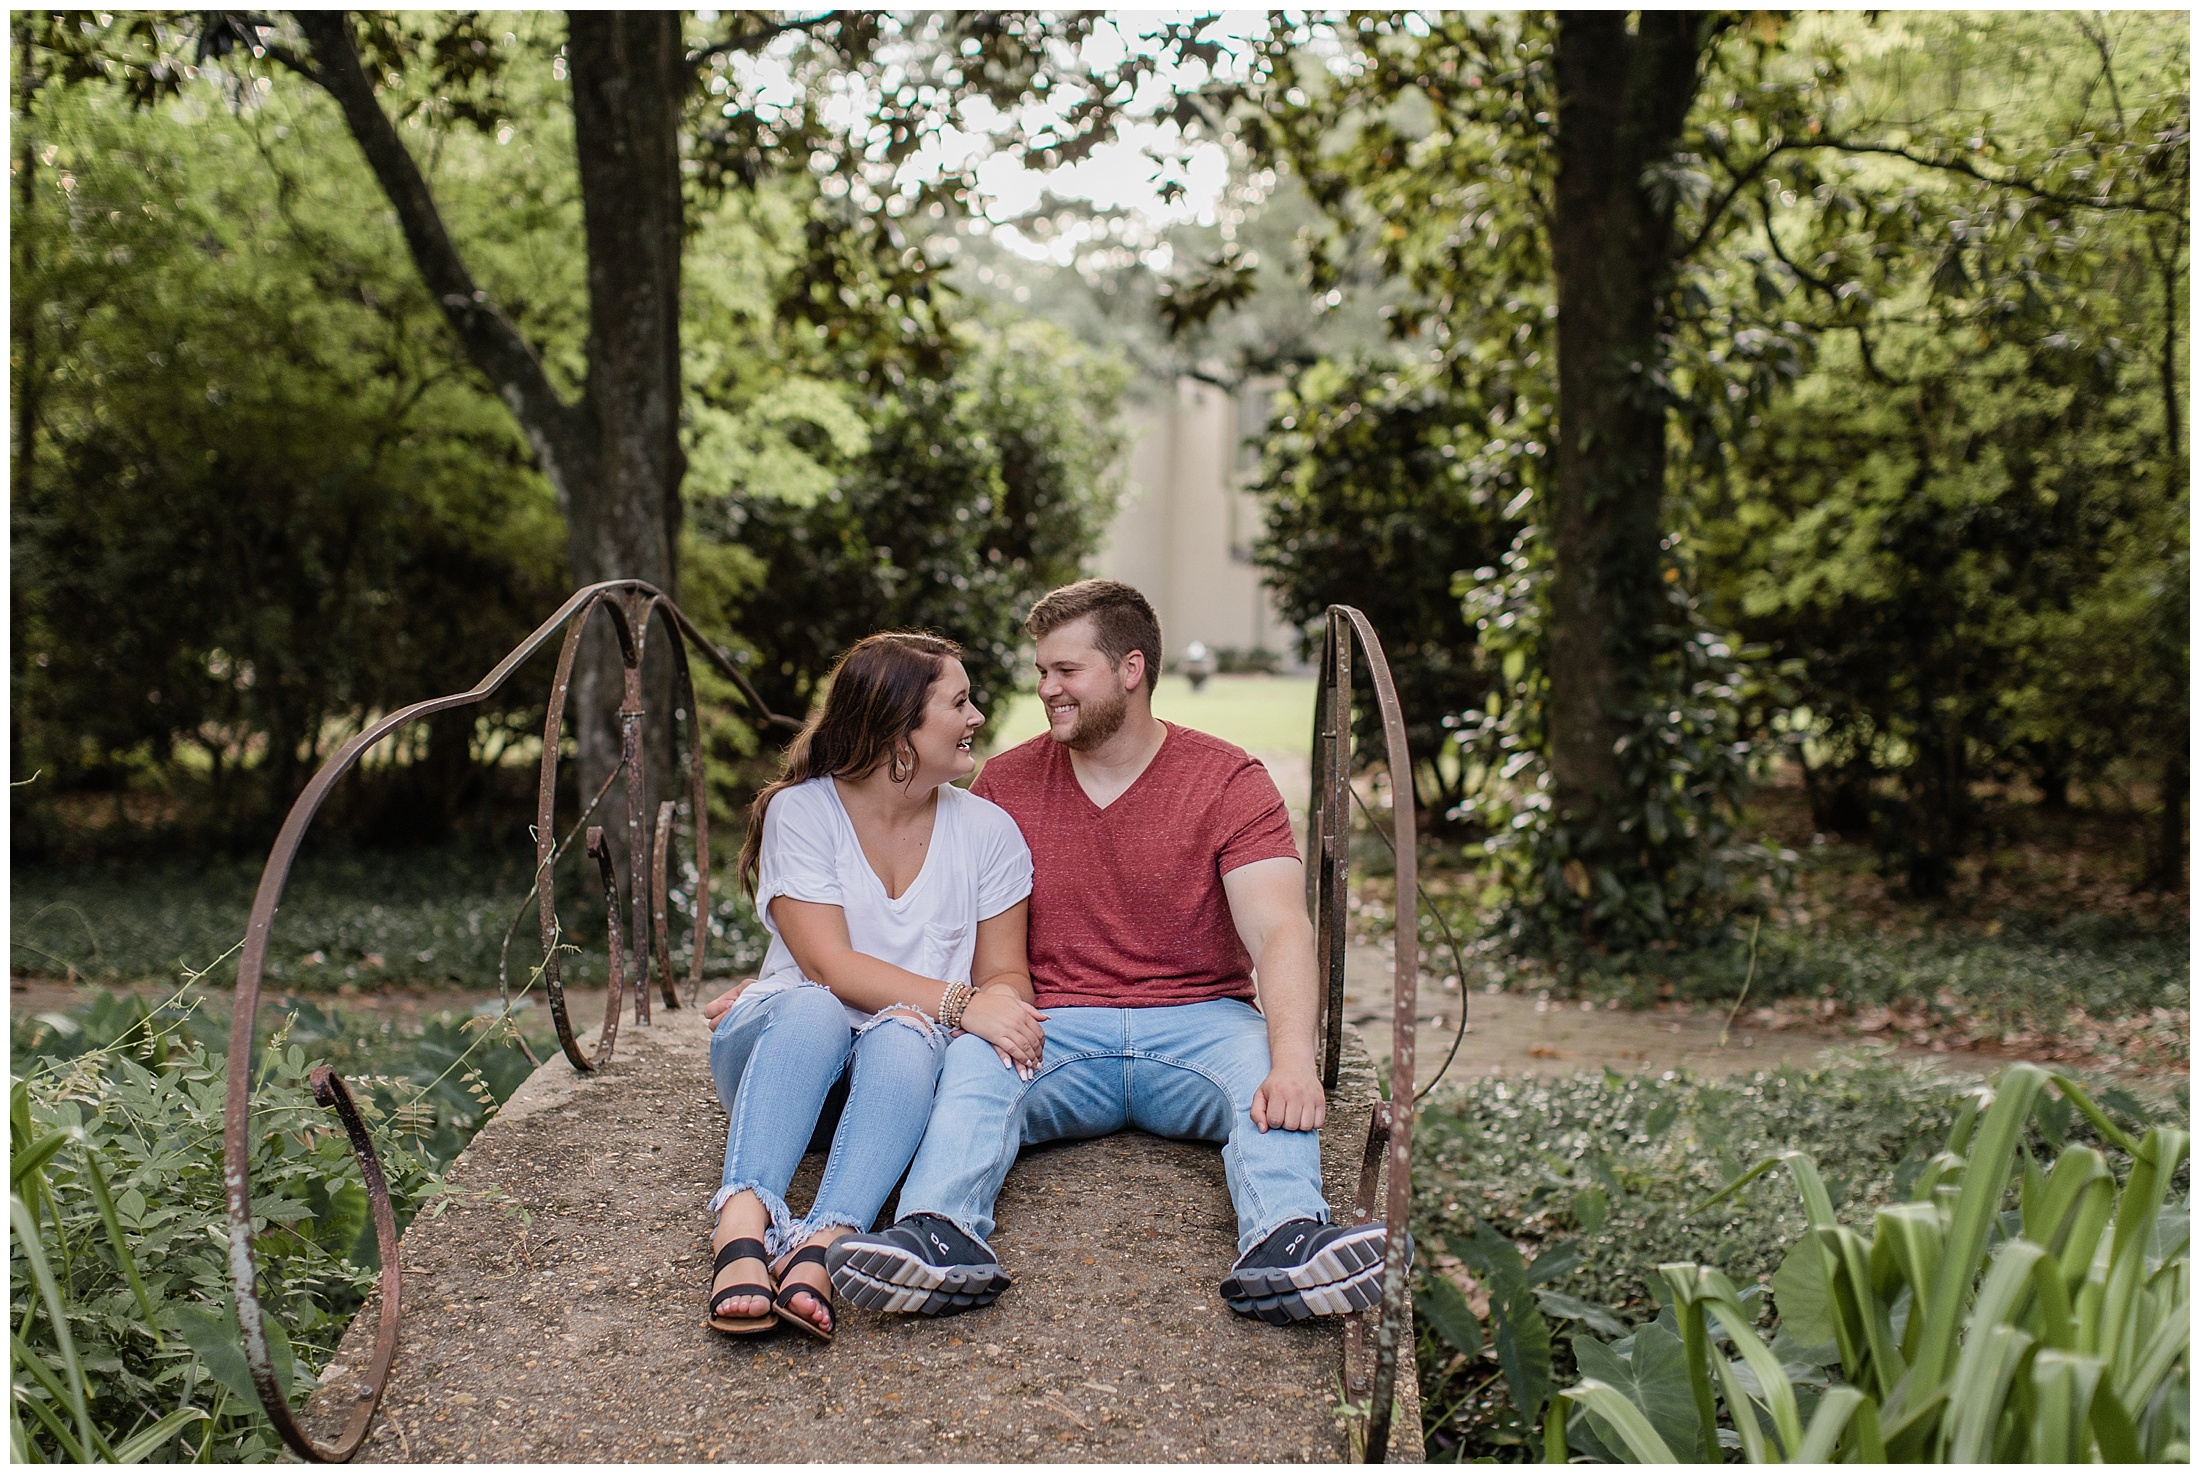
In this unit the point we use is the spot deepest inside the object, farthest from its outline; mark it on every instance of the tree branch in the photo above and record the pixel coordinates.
(753, 41)
(1972, 171)
(491, 340)
(1832, 294)
(1719, 207)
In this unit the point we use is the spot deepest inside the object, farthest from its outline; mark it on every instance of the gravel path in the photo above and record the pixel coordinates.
(553, 1312)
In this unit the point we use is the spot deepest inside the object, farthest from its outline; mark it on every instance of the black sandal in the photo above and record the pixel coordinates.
(783, 1302)
(739, 1325)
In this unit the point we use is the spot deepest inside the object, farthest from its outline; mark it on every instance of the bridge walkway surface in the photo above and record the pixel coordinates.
(553, 1311)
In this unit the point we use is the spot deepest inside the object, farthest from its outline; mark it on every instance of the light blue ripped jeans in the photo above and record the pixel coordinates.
(775, 1058)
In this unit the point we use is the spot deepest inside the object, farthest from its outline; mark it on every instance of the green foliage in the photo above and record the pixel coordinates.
(1377, 491)
(1676, 868)
(125, 1330)
(235, 380)
(254, 482)
(1925, 380)
(2037, 981)
(1962, 1331)
(1600, 1179)
(1942, 545)
(962, 502)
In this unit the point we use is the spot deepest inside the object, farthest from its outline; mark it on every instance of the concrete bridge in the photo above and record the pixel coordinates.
(553, 1311)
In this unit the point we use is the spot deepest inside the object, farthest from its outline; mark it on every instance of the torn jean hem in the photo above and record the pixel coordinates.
(774, 1237)
(809, 1228)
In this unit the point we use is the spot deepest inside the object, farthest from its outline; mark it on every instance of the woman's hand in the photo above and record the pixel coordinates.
(1009, 1024)
(722, 1005)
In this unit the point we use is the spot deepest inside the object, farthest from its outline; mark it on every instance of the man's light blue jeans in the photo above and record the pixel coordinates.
(1187, 1071)
(775, 1058)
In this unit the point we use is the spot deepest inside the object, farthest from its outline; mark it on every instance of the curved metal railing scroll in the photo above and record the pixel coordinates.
(1390, 1128)
(633, 608)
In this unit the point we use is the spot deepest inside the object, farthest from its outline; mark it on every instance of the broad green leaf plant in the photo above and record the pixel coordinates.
(1963, 1330)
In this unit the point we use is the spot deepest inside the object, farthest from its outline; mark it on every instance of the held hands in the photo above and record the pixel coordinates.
(996, 1015)
(1010, 1025)
(1290, 1099)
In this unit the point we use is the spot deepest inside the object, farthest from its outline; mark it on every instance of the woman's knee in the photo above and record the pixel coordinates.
(808, 1010)
(906, 1037)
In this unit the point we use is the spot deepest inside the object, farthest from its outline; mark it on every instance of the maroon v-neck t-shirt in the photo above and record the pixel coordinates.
(1127, 905)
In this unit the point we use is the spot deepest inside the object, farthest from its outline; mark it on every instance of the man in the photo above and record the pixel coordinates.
(1166, 882)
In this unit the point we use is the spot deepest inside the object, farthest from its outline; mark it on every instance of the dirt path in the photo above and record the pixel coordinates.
(1511, 1033)
(1507, 1033)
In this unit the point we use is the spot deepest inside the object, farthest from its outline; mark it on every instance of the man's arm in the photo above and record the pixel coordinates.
(1268, 905)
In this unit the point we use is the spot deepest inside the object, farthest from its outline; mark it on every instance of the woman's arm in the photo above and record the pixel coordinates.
(817, 936)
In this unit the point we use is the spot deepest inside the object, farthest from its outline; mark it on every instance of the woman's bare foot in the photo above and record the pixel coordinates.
(742, 1217)
(816, 1307)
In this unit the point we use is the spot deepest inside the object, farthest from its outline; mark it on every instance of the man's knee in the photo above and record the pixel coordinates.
(971, 1070)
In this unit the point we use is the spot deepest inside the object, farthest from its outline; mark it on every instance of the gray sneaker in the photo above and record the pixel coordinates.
(921, 1265)
(1306, 1268)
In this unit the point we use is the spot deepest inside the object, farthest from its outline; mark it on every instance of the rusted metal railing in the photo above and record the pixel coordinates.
(634, 608)
(1390, 1128)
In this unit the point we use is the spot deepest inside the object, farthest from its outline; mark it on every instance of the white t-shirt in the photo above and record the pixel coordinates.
(976, 867)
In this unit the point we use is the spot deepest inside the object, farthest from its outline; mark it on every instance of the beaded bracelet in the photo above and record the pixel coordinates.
(953, 1000)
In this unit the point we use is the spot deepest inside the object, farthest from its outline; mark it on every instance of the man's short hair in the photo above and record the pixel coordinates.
(1122, 620)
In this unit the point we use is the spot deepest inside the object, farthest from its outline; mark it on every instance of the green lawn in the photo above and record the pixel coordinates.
(1258, 713)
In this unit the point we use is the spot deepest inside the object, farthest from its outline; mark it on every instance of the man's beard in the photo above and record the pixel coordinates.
(1096, 724)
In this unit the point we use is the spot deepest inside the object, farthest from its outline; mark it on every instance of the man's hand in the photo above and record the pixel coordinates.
(716, 1009)
(1290, 1099)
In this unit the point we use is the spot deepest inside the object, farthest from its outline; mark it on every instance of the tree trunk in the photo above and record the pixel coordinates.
(629, 72)
(1622, 100)
(26, 264)
(613, 459)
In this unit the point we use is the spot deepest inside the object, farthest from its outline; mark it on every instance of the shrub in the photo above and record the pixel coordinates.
(1380, 487)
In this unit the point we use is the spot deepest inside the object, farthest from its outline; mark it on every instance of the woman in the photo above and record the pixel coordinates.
(896, 905)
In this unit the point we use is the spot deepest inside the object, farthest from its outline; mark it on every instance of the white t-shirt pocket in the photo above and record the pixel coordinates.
(948, 948)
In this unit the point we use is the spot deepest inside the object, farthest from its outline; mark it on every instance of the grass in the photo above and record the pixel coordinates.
(1258, 713)
(352, 918)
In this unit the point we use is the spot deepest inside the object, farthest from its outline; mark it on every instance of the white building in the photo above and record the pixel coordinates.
(1185, 534)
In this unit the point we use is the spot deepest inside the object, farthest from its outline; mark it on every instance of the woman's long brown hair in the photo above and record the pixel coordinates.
(875, 697)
